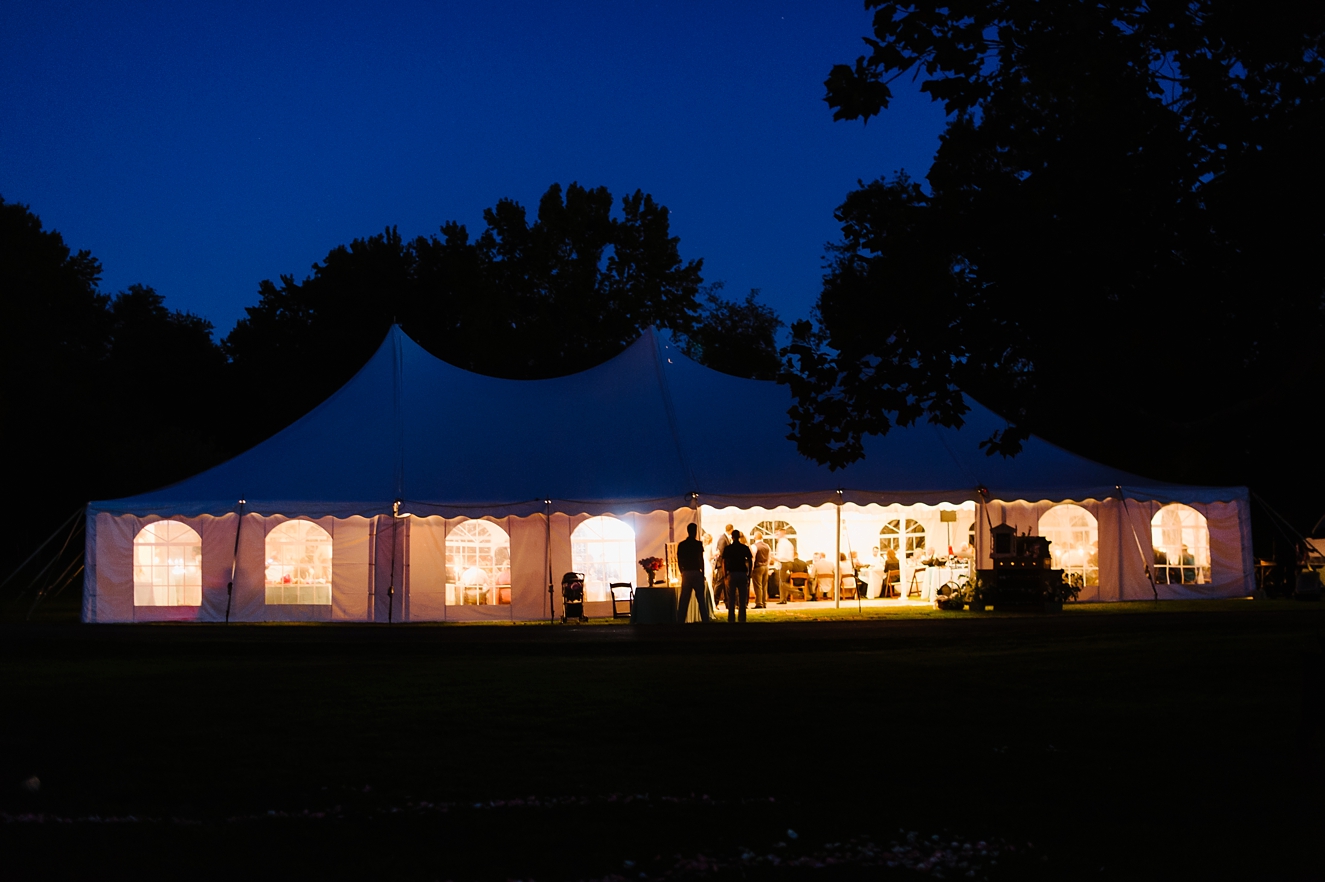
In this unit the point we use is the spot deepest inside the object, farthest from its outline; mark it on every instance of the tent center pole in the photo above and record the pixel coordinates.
(837, 556)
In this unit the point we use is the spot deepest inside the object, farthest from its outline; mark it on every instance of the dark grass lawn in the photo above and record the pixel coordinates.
(1125, 741)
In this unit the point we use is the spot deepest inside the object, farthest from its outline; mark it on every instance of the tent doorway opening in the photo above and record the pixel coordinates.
(873, 554)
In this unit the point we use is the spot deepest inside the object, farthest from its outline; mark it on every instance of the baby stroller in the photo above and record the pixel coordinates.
(572, 597)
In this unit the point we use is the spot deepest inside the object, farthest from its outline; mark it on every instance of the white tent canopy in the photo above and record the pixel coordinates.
(649, 434)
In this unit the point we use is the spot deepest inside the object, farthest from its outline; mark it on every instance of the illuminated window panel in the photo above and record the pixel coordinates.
(906, 537)
(298, 565)
(167, 565)
(1181, 539)
(1074, 537)
(478, 565)
(603, 548)
(769, 529)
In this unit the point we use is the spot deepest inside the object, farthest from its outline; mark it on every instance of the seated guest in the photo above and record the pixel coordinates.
(818, 567)
(794, 567)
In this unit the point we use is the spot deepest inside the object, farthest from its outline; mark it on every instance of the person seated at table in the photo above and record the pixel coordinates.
(474, 583)
(849, 569)
(892, 569)
(1161, 570)
(1188, 561)
(818, 567)
(875, 574)
(795, 567)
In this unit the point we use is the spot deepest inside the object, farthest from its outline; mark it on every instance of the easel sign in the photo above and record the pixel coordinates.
(672, 565)
(949, 517)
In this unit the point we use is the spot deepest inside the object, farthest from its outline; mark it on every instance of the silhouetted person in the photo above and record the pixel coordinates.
(690, 558)
(719, 573)
(738, 562)
(759, 575)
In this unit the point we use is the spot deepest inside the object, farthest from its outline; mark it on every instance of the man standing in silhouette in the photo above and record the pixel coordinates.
(690, 558)
(719, 575)
(737, 561)
(762, 555)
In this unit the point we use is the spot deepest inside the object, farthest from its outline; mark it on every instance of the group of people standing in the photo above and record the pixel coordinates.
(738, 564)
(733, 562)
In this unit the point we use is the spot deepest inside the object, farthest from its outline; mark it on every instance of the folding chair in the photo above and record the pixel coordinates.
(824, 585)
(914, 590)
(629, 599)
(798, 582)
(850, 586)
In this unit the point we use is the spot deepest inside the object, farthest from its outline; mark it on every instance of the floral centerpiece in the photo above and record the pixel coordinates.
(651, 565)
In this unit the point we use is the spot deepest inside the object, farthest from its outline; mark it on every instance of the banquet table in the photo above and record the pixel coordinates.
(874, 581)
(931, 579)
(657, 605)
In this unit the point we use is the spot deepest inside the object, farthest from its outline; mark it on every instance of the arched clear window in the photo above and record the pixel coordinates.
(478, 564)
(770, 530)
(903, 536)
(1181, 539)
(298, 564)
(1074, 537)
(167, 565)
(603, 548)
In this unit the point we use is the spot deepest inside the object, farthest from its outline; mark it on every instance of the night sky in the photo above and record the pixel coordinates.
(200, 148)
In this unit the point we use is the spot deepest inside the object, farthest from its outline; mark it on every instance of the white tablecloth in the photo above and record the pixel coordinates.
(874, 579)
(931, 579)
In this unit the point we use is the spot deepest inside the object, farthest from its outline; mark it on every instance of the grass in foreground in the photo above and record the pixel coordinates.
(1153, 741)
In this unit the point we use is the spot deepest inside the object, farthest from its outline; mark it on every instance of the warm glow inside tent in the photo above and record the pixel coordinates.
(422, 492)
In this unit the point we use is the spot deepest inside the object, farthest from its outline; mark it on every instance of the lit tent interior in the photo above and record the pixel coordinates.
(422, 492)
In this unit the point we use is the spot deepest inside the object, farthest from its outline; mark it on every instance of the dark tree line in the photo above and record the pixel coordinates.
(526, 298)
(1116, 247)
(111, 395)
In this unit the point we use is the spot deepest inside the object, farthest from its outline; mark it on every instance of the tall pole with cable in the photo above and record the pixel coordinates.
(391, 581)
(234, 560)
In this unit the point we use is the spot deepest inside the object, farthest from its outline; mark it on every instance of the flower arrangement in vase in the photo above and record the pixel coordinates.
(651, 565)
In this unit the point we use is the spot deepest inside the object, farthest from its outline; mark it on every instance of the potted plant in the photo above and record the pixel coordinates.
(651, 566)
(1066, 591)
(976, 593)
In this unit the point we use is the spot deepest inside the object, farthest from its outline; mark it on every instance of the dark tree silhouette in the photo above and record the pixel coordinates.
(737, 337)
(521, 300)
(1118, 246)
(101, 396)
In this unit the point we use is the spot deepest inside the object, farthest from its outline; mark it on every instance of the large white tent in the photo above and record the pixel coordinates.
(422, 492)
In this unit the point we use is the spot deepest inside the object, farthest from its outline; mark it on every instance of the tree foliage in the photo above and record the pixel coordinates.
(102, 395)
(523, 299)
(1119, 238)
(737, 337)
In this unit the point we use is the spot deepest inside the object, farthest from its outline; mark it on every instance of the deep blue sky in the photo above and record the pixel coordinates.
(200, 148)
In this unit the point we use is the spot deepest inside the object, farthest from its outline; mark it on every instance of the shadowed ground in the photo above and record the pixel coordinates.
(1166, 741)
